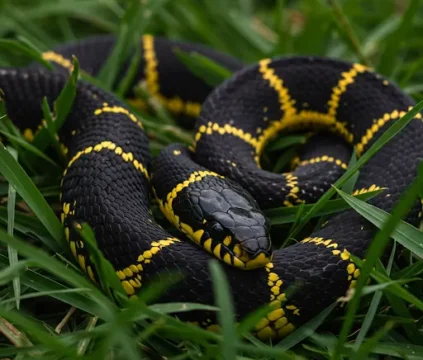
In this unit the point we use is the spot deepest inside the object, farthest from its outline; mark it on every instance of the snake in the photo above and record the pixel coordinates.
(215, 191)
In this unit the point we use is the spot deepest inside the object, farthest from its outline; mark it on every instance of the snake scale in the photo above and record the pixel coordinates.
(214, 191)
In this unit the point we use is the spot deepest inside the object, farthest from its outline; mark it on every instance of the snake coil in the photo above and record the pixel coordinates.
(110, 171)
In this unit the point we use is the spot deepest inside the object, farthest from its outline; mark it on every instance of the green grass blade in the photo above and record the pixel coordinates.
(388, 59)
(406, 234)
(9, 273)
(134, 21)
(203, 67)
(43, 260)
(106, 274)
(13, 255)
(285, 215)
(367, 347)
(51, 130)
(305, 330)
(129, 77)
(30, 148)
(41, 282)
(31, 226)
(25, 50)
(64, 102)
(373, 306)
(226, 314)
(17, 176)
(374, 251)
(38, 332)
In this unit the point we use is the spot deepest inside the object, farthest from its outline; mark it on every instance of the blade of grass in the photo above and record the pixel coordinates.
(305, 330)
(285, 215)
(45, 261)
(17, 176)
(24, 49)
(388, 59)
(347, 31)
(366, 348)
(13, 254)
(371, 312)
(406, 234)
(226, 314)
(374, 251)
(38, 332)
(40, 282)
(203, 67)
(30, 148)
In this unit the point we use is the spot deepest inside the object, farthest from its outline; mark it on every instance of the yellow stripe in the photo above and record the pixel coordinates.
(292, 184)
(108, 145)
(167, 208)
(222, 130)
(150, 70)
(117, 110)
(345, 255)
(287, 104)
(174, 104)
(348, 77)
(377, 125)
(296, 121)
(58, 59)
(374, 187)
(324, 158)
(275, 323)
(130, 276)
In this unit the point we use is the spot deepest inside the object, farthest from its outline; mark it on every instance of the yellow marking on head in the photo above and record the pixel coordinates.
(216, 250)
(198, 235)
(348, 77)
(176, 152)
(167, 207)
(118, 110)
(58, 59)
(108, 145)
(324, 158)
(227, 258)
(227, 240)
(259, 261)
(207, 245)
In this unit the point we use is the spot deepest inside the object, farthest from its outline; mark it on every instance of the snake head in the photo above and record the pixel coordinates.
(234, 229)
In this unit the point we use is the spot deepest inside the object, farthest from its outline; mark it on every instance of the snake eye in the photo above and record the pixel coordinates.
(216, 230)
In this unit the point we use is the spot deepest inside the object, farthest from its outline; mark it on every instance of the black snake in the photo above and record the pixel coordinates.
(110, 172)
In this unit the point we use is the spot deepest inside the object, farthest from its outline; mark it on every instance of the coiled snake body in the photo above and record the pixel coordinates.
(107, 180)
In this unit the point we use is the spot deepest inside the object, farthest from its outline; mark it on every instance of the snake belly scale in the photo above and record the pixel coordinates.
(214, 192)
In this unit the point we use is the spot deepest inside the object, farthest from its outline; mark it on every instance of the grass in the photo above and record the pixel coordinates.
(49, 310)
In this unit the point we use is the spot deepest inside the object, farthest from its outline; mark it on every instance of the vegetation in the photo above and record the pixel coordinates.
(49, 310)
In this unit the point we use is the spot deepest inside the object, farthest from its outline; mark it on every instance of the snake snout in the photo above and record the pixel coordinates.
(251, 232)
